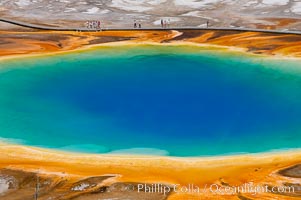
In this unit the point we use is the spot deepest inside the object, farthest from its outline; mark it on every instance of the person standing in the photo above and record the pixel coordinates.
(162, 23)
(207, 23)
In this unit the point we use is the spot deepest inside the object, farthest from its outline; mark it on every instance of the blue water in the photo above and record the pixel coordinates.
(152, 100)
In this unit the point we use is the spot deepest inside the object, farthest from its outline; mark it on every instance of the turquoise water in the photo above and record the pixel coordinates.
(173, 101)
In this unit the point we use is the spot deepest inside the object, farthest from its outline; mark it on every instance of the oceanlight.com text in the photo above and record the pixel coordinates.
(216, 189)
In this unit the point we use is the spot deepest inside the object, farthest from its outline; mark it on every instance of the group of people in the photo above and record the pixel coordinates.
(137, 24)
(165, 23)
(96, 25)
(93, 25)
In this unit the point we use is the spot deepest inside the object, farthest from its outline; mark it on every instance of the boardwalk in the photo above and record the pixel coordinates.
(49, 28)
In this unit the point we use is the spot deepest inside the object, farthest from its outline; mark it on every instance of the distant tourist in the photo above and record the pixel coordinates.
(135, 24)
(207, 23)
(162, 23)
(93, 25)
(168, 23)
(139, 25)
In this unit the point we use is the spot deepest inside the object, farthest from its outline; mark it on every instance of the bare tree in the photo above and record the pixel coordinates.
(36, 196)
